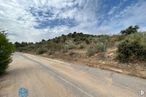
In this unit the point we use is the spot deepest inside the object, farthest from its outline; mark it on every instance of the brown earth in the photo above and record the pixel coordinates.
(45, 77)
(104, 60)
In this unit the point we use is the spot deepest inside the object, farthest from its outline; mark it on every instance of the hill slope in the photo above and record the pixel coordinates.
(92, 50)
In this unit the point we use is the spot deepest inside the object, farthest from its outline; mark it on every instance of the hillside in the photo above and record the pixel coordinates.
(101, 51)
(65, 43)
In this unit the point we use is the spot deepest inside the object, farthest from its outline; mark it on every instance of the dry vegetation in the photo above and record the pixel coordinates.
(125, 53)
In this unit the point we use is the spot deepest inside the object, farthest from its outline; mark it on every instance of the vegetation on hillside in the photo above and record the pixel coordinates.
(130, 30)
(6, 49)
(130, 45)
(66, 43)
(132, 48)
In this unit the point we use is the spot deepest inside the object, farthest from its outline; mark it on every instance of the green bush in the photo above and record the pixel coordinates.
(132, 48)
(54, 46)
(82, 46)
(41, 50)
(100, 47)
(69, 46)
(6, 49)
(90, 51)
(65, 49)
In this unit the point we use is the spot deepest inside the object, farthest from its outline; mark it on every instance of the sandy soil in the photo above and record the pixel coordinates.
(105, 60)
(44, 77)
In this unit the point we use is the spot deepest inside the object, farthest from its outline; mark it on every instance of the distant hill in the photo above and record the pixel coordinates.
(65, 43)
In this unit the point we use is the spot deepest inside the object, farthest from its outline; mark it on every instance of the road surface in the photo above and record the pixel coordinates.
(44, 77)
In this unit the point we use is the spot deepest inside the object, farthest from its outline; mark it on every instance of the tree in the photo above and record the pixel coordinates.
(17, 44)
(130, 30)
(6, 49)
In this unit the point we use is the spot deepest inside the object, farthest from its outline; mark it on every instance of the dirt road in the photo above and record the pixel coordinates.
(45, 77)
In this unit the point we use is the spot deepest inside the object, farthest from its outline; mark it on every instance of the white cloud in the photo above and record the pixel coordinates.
(16, 16)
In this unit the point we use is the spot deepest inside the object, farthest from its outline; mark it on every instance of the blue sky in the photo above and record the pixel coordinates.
(33, 20)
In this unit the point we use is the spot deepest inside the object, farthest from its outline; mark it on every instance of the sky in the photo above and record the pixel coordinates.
(34, 20)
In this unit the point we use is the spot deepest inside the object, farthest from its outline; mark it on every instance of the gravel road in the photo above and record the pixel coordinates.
(44, 77)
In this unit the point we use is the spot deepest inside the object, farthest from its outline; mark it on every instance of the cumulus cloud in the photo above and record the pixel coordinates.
(33, 20)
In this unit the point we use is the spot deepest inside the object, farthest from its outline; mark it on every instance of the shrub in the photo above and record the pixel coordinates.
(6, 49)
(91, 51)
(82, 46)
(41, 50)
(132, 49)
(69, 45)
(54, 46)
(100, 47)
(65, 49)
(87, 41)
